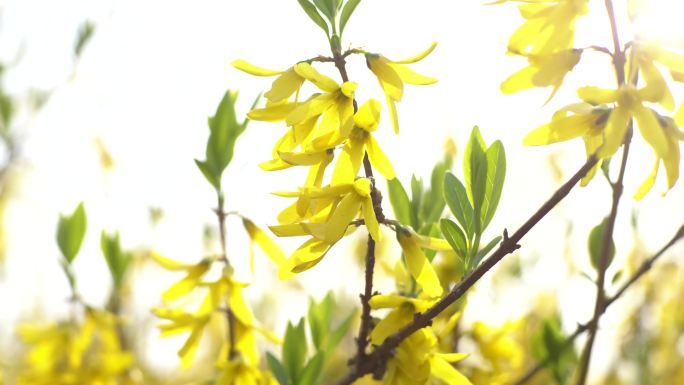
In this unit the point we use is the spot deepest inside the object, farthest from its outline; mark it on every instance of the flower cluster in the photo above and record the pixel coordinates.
(76, 352)
(604, 116)
(320, 126)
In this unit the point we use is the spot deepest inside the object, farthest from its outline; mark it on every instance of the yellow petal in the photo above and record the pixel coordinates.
(274, 165)
(679, 116)
(452, 357)
(321, 81)
(304, 158)
(310, 109)
(239, 307)
(559, 130)
(648, 183)
(419, 266)
(409, 76)
(447, 373)
(393, 114)
(170, 264)
(362, 186)
(614, 135)
(284, 86)
(591, 144)
(417, 57)
(368, 115)
(251, 69)
(651, 130)
(597, 95)
(656, 88)
(348, 89)
(345, 212)
(389, 79)
(348, 162)
(519, 81)
(433, 243)
(289, 230)
(384, 301)
(267, 245)
(308, 255)
(378, 158)
(272, 113)
(671, 162)
(389, 325)
(187, 284)
(370, 219)
(187, 352)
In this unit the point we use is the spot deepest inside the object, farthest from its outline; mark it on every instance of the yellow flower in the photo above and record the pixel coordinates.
(287, 83)
(361, 141)
(392, 74)
(543, 71)
(336, 207)
(417, 358)
(239, 373)
(670, 161)
(71, 352)
(586, 121)
(332, 110)
(194, 274)
(629, 104)
(417, 263)
(549, 25)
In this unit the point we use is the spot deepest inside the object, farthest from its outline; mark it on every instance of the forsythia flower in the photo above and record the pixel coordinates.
(75, 353)
(392, 74)
(417, 263)
(361, 141)
(225, 291)
(287, 83)
(586, 121)
(549, 25)
(543, 71)
(417, 358)
(340, 204)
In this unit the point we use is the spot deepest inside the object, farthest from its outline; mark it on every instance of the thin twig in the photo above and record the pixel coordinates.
(375, 361)
(640, 272)
(619, 65)
(230, 316)
(366, 320)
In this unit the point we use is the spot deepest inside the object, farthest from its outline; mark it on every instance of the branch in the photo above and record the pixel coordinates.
(230, 316)
(640, 272)
(375, 362)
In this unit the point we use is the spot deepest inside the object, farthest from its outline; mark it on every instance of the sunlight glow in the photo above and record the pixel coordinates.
(660, 20)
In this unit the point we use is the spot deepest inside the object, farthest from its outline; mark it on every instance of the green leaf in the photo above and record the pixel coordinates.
(312, 370)
(70, 232)
(595, 244)
(294, 350)
(434, 203)
(347, 11)
(400, 201)
(6, 112)
(416, 201)
(496, 174)
(475, 171)
(117, 260)
(456, 198)
(328, 8)
(310, 10)
(209, 174)
(277, 369)
(85, 32)
(224, 131)
(549, 343)
(338, 334)
(319, 317)
(455, 236)
(485, 250)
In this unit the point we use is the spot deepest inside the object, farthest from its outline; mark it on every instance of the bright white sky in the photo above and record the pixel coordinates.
(156, 69)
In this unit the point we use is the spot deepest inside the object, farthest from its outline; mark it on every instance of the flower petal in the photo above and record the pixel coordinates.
(378, 158)
(597, 95)
(447, 373)
(419, 266)
(559, 130)
(647, 184)
(614, 134)
(651, 130)
(368, 115)
(321, 81)
(409, 76)
(348, 162)
(345, 212)
(370, 219)
(417, 57)
(251, 69)
(284, 86)
(308, 255)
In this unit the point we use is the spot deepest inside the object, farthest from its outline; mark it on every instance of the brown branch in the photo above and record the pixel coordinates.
(640, 272)
(230, 316)
(599, 305)
(362, 340)
(376, 361)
